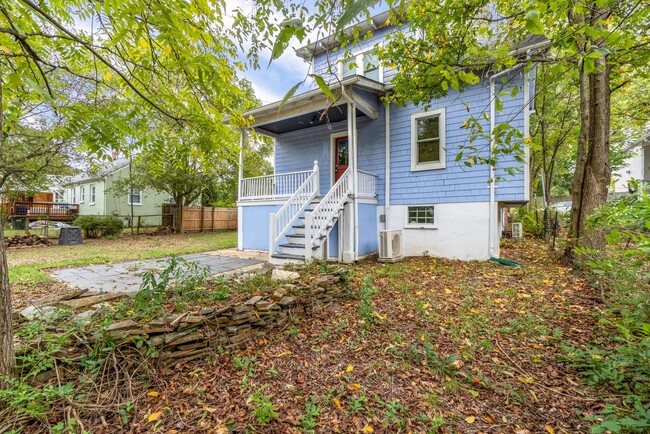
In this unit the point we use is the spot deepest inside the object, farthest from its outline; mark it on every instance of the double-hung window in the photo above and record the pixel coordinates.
(73, 194)
(135, 196)
(428, 140)
(82, 194)
(92, 194)
(365, 64)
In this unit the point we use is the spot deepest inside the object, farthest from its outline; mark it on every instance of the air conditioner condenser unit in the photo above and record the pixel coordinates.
(390, 246)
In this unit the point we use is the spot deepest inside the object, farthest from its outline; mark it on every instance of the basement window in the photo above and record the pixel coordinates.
(423, 217)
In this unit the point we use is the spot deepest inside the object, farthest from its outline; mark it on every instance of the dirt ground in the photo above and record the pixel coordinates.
(434, 346)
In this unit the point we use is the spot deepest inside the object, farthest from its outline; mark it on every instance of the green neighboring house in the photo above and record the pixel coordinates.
(96, 196)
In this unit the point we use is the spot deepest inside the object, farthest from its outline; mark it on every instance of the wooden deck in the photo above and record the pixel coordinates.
(43, 210)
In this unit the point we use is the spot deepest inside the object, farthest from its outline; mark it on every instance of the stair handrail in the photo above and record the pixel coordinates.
(318, 220)
(281, 221)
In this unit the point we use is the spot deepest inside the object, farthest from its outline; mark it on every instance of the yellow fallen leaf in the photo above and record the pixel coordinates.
(350, 368)
(355, 386)
(153, 393)
(368, 429)
(489, 419)
(284, 353)
(154, 416)
(470, 419)
(337, 403)
(549, 429)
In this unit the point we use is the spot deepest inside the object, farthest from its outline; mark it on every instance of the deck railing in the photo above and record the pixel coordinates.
(46, 210)
(367, 184)
(281, 185)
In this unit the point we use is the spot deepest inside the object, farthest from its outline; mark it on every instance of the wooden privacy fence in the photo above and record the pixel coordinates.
(202, 218)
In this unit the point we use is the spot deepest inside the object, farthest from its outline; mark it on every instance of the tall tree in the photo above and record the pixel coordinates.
(174, 59)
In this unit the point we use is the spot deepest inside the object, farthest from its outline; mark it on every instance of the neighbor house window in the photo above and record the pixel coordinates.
(364, 64)
(421, 217)
(135, 196)
(428, 140)
(82, 194)
(58, 196)
(92, 194)
(73, 194)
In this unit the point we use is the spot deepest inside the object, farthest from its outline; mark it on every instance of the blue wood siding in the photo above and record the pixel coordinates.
(456, 182)
(326, 64)
(255, 226)
(367, 229)
(297, 150)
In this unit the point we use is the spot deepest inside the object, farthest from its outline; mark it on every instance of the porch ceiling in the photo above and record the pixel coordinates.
(305, 110)
(307, 120)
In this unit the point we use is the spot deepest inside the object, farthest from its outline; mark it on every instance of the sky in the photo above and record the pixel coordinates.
(272, 82)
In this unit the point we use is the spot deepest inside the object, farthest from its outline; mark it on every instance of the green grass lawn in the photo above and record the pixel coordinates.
(26, 266)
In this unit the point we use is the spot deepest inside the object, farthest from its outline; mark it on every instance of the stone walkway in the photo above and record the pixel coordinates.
(127, 276)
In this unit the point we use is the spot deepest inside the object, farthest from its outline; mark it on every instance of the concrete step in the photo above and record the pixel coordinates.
(285, 258)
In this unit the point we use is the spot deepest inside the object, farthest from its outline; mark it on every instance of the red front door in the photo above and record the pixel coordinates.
(340, 157)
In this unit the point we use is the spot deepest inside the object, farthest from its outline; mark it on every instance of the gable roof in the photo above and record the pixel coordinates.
(107, 169)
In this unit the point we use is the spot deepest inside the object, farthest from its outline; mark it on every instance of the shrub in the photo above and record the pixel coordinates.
(96, 226)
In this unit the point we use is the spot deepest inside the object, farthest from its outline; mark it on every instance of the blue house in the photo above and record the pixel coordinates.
(370, 177)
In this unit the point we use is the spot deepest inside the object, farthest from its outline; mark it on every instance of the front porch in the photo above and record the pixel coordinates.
(328, 211)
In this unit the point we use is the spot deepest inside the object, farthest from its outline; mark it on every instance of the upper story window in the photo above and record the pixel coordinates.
(365, 64)
(135, 196)
(428, 140)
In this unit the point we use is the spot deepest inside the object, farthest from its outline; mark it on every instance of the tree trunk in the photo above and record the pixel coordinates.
(7, 359)
(597, 168)
(7, 356)
(579, 175)
(178, 218)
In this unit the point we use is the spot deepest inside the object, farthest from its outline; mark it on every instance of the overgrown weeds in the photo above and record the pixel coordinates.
(620, 360)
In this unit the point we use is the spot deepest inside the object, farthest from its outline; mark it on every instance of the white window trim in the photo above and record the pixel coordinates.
(74, 194)
(358, 55)
(415, 166)
(90, 195)
(82, 194)
(129, 195)
(434, 225)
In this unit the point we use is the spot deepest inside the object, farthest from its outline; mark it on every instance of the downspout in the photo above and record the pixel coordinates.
(387, 177)
(352, 131)
(492, 210)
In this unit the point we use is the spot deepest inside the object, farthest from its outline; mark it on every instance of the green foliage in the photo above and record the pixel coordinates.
(263, 408)
(97, 226)
(27, 399)
(620, 360)
(532, 222)
(180, 277)
(366, 305)
(309, 420)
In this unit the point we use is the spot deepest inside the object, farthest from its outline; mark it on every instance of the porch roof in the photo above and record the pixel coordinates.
(305, 110)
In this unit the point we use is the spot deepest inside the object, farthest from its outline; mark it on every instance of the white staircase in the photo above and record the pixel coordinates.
(311, 225)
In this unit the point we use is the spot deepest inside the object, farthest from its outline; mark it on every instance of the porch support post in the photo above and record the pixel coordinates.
(240, 176)
(351, 226)
(242, 133)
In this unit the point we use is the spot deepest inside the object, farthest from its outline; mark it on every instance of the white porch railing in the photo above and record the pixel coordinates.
(281, 221)
(272, 186)
(367, 184)
(318, 221)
